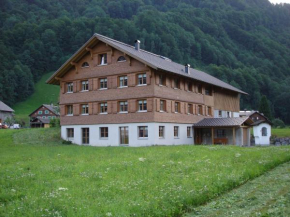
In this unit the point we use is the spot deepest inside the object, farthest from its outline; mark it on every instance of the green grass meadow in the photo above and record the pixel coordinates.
(41, 177)
(44, 94)
(281, 132)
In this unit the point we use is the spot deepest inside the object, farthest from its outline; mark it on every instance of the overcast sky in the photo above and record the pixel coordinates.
(280, 1)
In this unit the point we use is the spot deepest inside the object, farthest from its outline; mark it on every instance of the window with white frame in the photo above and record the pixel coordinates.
(162, 105)
(85, 109)
(142, 105)
(103, 59)
(190, 109)
(161, 131)
(199, 110)
(70, 132)
(123, 106)
(264, 131)
(103, 83)
(85, 85)
(48, 117)
(46, 112)
(189, 132)
(142, 79)
(104, 107)
(176, 133)
(104, 132)
(143, 132)
(43, 117)
(220, 113)
(40, 112)
(123, 81)
(177, 107)
(69, 110)
(228, 114)
(85, 65)
(70, 87)
(121, 59)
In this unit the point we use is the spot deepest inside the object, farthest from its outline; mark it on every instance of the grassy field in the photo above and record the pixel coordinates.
(41, 177)
(281, 132)
(44, 94)
(267, 195)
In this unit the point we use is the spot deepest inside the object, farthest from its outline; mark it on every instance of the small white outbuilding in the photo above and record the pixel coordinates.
(261, 127)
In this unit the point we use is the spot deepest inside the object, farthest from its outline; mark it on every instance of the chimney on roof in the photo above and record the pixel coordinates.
(137, 45)
(187, 69)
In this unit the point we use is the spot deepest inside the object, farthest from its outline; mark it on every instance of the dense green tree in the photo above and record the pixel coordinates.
(264, 107)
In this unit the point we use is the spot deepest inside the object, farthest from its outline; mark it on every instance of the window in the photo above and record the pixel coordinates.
(189, 86)
(177, 107)
(70, 87)
(221, 133)
(208, 91)
(188, 132)
(43, 117)
(104, 132)
(86, 135)
(142, 105)
(103, 83)
(48, 117)
(69, 110)
(85, 85)
(190, 109)
(143, 132)
(85, 65)
(70, 132)
(103, 59)
(85, 109)
(46, 112)
(161, 131)
(264, 131)
(104, 107)
(176, 128)
(209, 111)
(142, 79)
(123, 81)
(121, 59)
(176, 83)
(40, 112)
(161, 79)
(162, 105)
(123, 106)
(220, 113)
(199, 110)
(228, 114)
(199, 88)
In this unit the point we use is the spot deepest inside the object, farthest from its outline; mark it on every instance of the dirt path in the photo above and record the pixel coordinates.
(267, 195)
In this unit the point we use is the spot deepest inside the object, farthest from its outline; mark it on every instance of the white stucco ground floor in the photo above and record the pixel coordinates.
(131, 134)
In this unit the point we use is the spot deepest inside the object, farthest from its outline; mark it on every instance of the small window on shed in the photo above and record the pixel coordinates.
(85, 65)
(264, 131)
(121, 59)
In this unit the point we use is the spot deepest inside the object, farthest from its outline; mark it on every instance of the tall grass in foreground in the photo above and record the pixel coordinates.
(69, 180)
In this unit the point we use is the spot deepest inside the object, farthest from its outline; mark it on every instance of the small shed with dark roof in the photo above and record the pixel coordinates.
(5, 112)
(235, 131)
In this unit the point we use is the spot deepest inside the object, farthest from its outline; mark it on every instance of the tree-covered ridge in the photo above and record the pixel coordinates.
(243, 42)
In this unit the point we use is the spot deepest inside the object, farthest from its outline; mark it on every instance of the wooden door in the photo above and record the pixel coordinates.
(124, 136)
(245, 137)
(198, 136)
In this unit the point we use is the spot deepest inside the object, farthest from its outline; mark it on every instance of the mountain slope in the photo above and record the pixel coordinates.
(243, 42)
(44, 94)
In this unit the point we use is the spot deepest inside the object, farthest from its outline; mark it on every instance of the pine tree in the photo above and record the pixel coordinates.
(265, 108)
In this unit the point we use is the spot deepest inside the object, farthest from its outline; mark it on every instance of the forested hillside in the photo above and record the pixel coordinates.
(243, 42)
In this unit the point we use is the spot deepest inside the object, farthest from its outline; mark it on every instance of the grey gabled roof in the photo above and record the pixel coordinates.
(161, 63)
(152, 60)
(223, 122)
(52, 108)
(4, 107)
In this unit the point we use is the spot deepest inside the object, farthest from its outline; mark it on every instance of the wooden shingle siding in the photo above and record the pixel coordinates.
(227, 101)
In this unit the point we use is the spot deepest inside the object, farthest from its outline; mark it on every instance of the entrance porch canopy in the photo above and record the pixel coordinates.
(234, 131)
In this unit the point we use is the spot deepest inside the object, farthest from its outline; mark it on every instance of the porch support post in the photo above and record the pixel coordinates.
(212, 136)
(234, 136)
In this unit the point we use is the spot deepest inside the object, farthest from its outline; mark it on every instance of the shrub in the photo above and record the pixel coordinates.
(54, 122)
(278, 123)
